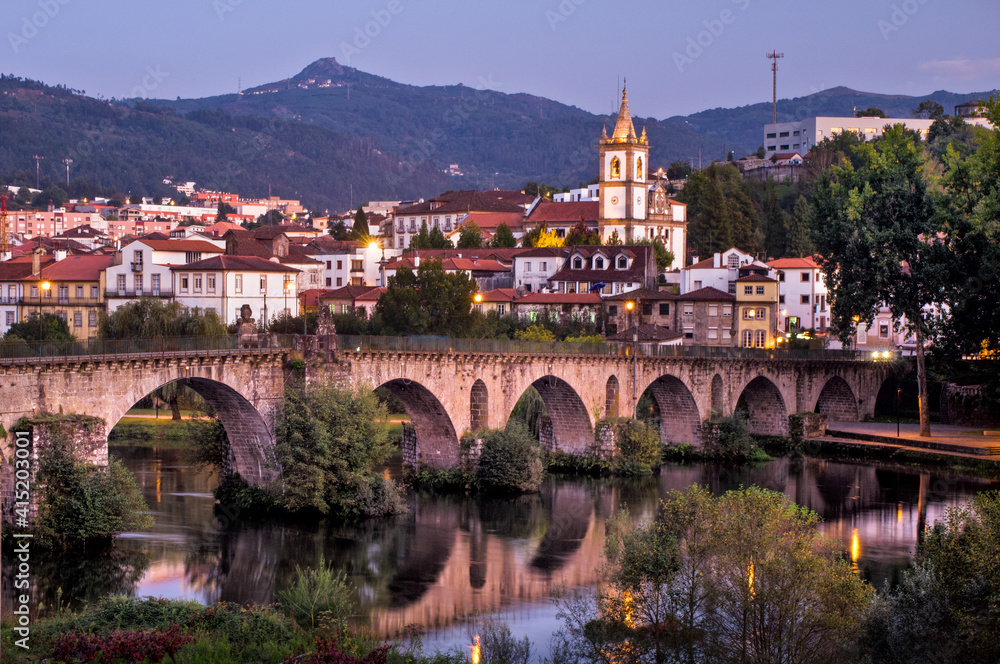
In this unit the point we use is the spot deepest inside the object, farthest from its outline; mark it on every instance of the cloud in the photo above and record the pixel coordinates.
(961, 68)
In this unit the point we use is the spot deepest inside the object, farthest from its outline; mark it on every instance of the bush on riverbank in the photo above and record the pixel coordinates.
(163, 432)
(78, 502)
(636, 445)
(511, 461)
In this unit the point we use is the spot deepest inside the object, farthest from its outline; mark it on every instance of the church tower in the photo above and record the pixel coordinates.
(623, 185)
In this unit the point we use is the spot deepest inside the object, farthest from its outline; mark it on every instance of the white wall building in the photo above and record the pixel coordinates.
(225, 283)
(802, 295)
(589, 193)
(800, 136)
(533, 268)
(142, 268)
(720, 271)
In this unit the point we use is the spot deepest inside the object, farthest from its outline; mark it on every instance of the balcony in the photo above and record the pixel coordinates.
(134, 293)
(137, 267)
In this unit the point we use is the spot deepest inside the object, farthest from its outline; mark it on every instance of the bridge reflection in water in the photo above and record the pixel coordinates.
(451, 558)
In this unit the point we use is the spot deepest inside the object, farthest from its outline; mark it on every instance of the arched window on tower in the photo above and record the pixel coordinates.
(638, 169)
(616, 168)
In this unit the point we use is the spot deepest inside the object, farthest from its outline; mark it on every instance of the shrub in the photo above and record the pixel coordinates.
(733, 439)
(82, 501)
(132, 646)
(315, 591)
(497, 644)
(637, 447)
(511, 461)
(327, 652)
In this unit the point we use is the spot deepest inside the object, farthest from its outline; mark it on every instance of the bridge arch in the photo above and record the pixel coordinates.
(837, 401)
(436, 440)
(479, 406)
(250, 433)
(572, 431)
(680, 421)
(765, 407)
(612, 400)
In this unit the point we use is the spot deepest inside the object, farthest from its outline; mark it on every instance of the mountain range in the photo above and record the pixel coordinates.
(334, 136)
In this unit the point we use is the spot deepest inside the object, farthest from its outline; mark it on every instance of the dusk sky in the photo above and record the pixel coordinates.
(679, 57)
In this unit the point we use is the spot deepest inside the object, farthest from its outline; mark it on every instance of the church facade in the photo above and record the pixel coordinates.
(633, 203)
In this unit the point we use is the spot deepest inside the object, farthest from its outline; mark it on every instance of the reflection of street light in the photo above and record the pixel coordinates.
(629, 306)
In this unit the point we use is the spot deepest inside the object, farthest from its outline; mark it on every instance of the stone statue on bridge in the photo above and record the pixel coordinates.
(246, 328)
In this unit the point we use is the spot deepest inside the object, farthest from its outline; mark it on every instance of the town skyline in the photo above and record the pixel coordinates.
(689, 59)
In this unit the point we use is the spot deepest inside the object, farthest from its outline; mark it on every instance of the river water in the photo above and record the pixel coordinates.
(451, 557)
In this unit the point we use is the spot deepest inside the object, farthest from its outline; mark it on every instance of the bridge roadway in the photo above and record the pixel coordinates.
(448, 386)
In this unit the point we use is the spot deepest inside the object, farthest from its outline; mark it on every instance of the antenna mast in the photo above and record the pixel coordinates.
(4, 233)
(774, 55)
(67, 162)
(37, 160)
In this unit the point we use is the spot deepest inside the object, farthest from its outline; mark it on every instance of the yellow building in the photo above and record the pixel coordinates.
(72, 289)
(756, 310)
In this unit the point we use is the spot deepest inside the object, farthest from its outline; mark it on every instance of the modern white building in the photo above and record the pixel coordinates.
(142, 268)
(800, 136)
(589, 193)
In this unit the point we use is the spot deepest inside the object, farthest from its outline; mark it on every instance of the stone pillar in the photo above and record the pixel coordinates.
(604, 441)
(409, 445)
(546, 434)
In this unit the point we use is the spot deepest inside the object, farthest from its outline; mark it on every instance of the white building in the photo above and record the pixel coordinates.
(142, 268)
(720, 271)
(225, 283)
(800, 136)
(352, 264)
(589, 193)
(802, 295)
(533, 268)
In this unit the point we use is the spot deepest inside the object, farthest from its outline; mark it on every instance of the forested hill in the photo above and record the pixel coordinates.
(332, 134)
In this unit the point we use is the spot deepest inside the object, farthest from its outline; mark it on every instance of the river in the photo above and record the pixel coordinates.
(453, 557)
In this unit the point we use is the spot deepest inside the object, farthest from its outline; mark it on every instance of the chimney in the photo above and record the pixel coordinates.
(36, 261)
(60, 254)
(416, 261)
(717, 260)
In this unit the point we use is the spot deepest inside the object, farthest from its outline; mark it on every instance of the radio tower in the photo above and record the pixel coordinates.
(774, 55)
(37, 160)
(67, 162)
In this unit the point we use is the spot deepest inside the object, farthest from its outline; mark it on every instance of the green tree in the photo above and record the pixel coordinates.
(153, 318)
(511, 461)
(775, 223)
(340, 231)
(721, 210)
(430, 301)
(469, 236)
(800, 225)
(536, 333)
(223, 211)
(47, 327)
(929, 109)
(580, 235)
(877, 230)
(870, 112)
(663, 256)
(361, 230)
(270, 218)
(503, 238)
(50, 195)
(679, 170)
(437, 240)
(327, 441)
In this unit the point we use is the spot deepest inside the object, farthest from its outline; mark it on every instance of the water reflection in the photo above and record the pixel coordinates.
(454, 557)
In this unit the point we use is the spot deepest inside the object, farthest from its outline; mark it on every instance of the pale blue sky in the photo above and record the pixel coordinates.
(679, 57)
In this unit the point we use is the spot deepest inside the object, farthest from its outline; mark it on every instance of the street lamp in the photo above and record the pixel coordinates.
(46, 286)
(289, 288)
(856, 319)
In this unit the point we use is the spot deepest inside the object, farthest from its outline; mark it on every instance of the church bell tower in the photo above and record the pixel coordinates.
(623, 186)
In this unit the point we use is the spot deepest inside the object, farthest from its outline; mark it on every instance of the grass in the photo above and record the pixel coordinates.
(163, 433)
(164, 413)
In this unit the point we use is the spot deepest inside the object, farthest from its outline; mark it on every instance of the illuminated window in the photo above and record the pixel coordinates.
(616, 168)
(761, 338)
(747, 339)
(836, 130)
(638, 169)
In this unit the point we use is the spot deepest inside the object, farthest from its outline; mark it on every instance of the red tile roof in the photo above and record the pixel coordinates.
(570, 212)
(75, 268)
(240, 263)
(792, 263)
(706, 294)
(756, 277)
(641, 294)
(180, 245)
(452, 264)
(489, 221)
(469, 201)
(372, 295)
(350, 292)
(500, 295)
(559, 298)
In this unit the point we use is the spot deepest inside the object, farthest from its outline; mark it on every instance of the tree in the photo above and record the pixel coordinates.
(775, 222)
(326, 442)
(270, 218)
(679, 170)
(117, 199)
(663, 256)
(47, 327)
(540, 236)
(469, 236)
(153, 318)
(580, 235)
(877, 229)
(428, 302)
(223, 211)
(536, 332)
(339, 231)
(928, 109)
(800, 225)
(54, 196)
(434, 239)
(511, 461)
(870, 112)
(361, 230)
(721, 210)
(503, 238)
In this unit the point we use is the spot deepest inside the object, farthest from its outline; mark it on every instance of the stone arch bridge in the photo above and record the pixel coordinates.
(450, 387)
